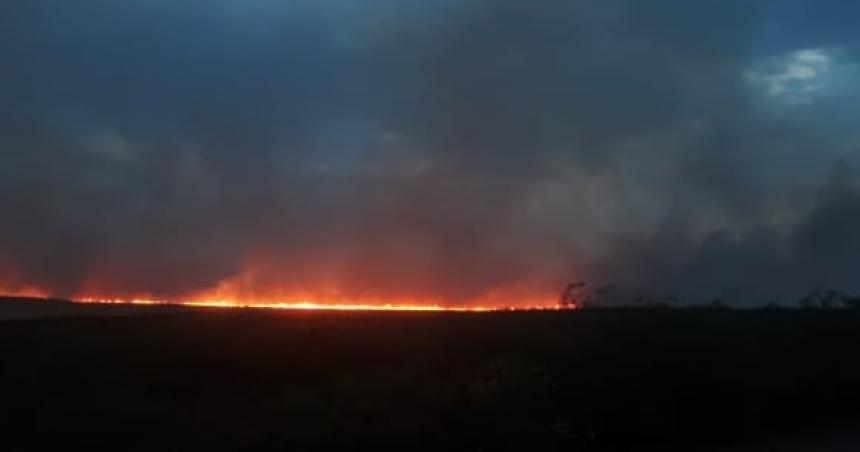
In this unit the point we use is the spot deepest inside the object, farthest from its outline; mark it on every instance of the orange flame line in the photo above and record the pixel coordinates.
(307, 305)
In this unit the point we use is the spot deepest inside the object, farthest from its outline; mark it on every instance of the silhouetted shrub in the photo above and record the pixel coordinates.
(852, 302)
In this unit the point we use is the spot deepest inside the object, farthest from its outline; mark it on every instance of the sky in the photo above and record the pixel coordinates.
(453, 150)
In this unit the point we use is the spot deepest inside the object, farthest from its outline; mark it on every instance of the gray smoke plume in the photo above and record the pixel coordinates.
(445, 149)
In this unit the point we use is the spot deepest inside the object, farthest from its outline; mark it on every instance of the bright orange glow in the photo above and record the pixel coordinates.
(330, 283)
(317, 306)
(303, 305)
(237, 292)
(27, 292)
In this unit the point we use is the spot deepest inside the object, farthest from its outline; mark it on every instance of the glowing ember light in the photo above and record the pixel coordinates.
(305, 305)
(260, 285)
(28, 292)
(302, 304)
(235, 293)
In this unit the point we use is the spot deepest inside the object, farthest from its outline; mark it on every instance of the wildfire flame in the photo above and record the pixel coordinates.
(236, 293)
(307, 305)
(303, 304)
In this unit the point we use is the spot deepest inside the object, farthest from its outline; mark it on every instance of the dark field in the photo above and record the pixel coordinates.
(647, 379)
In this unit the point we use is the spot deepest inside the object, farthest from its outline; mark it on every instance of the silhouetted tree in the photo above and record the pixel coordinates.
(577, 295)
(572, 295)
(852, 302)
(810, 300)
(828, 299)
(772, 306)
(718, 303)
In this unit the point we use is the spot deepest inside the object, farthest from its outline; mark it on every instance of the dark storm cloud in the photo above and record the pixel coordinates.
(444, 149)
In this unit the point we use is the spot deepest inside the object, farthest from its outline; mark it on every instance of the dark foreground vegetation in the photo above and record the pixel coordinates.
(639, 379)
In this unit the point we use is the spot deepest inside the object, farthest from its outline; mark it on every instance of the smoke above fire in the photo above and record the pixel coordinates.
(443, 151)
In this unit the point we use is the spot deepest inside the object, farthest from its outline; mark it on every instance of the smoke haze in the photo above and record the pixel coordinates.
(447, 150)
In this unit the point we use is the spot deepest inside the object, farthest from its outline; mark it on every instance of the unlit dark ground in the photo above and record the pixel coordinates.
(180, 379)
(17, 309)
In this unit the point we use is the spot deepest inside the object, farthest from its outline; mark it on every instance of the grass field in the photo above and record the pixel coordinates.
(637, 379)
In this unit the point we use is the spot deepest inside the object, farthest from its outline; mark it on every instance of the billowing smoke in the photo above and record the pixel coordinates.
(450, 149)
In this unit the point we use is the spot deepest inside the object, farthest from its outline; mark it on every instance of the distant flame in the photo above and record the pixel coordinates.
(240, 291)
(418, 305)
(316, 306)
(26, 292)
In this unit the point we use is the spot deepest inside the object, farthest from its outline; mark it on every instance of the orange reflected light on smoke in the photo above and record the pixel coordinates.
(493, 302)
(219, 298)
(307, 305)
(26, 292)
